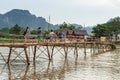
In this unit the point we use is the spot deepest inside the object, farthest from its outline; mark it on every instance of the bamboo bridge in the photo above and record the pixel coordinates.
(48, 48)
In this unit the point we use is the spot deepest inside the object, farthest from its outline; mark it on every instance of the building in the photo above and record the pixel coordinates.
(73, 34)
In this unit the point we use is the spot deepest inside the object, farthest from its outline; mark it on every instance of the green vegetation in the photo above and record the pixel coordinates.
(117, 45)
(18, 30)
(66, 26)
(14, 32)
(108, 29)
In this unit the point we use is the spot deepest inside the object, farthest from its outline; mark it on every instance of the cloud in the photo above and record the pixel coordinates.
(79, 11)
(115, 2)
(91, 2)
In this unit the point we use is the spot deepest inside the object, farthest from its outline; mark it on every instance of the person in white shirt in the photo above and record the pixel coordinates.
(52, 34)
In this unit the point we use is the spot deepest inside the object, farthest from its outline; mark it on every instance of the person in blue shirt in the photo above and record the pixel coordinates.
(62, 36)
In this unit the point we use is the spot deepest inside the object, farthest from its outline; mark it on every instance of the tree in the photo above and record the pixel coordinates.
(80, 27)
(100, 30)
(114, 26)
(66, 26)
(109, 29)
(15, 29)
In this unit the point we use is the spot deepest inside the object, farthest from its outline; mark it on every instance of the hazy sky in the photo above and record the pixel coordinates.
(84, 12)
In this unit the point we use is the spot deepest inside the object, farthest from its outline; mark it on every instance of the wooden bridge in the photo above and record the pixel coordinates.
(48, 48)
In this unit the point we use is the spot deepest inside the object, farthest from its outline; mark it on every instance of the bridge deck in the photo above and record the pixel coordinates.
(46, 43)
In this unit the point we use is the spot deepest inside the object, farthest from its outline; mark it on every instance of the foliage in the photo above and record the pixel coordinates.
(15, 29)
(100, 30)
(66, 26)
(114, 26)
(79, 28)
(117, 45)
(33, 32)
(4, 30)
(108, 29)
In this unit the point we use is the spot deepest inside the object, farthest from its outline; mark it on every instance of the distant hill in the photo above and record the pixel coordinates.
(22, 18)
(88, 29)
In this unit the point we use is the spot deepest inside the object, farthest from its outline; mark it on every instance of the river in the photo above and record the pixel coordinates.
(105, 66)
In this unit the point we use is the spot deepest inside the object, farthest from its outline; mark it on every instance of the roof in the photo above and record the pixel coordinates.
(80, 32)
(73, 32)
(69, 32)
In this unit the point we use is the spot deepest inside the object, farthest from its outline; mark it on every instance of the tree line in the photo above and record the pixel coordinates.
(18, 30)
(109, 29)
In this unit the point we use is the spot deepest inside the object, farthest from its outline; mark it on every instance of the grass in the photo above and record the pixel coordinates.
(4, 40)
(117, 45)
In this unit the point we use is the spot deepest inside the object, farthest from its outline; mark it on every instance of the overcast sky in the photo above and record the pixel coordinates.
(84, 12)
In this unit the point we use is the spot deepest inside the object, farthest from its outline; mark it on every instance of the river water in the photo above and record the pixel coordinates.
(105, 66)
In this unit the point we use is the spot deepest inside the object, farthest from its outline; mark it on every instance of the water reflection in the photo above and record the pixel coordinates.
(37, 72)
(17, 75)
(99, 67)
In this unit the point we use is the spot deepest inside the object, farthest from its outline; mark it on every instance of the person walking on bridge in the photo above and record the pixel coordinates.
(27, 34)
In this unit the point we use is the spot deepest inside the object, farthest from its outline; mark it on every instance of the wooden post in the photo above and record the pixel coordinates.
(49, 57)
(27, 58)
(9, 55)
(65, 50)
(85, 48)
(98, 48)
(9, 72)
(91, 45)
(34, 53)
(94, 48)
(76, 51)
(52, 51)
